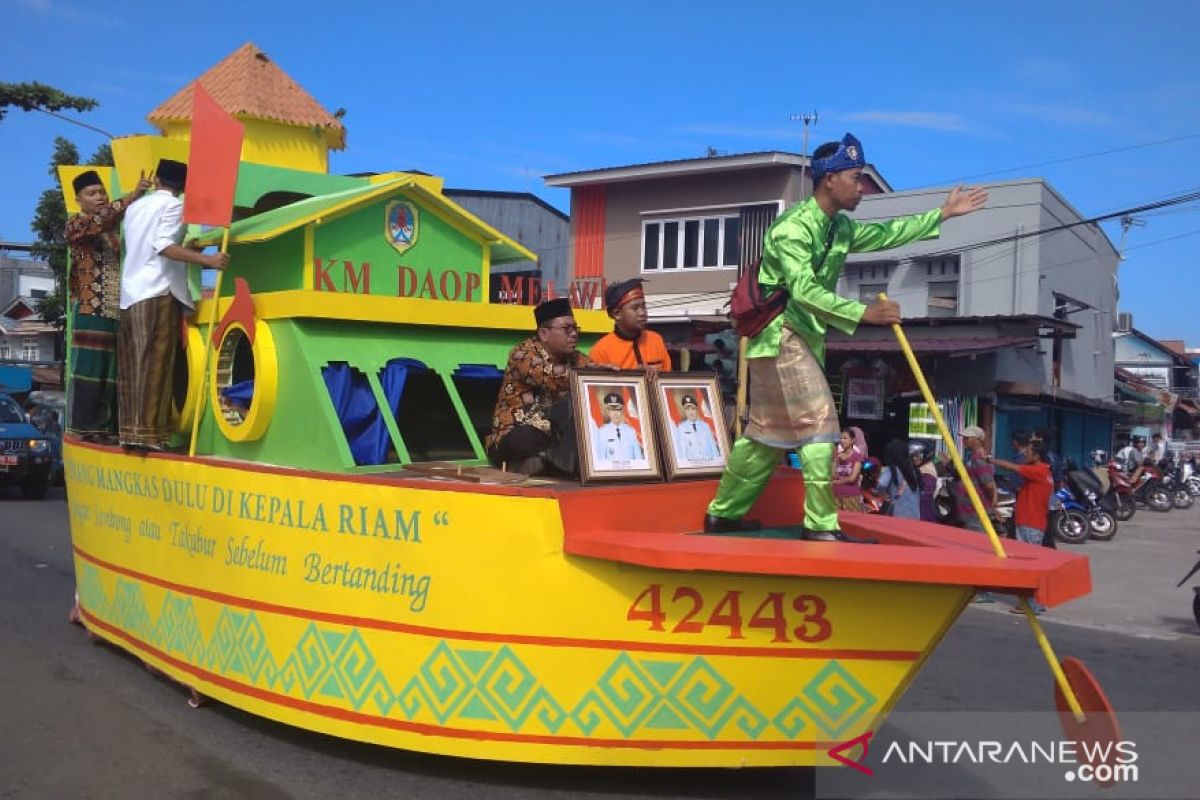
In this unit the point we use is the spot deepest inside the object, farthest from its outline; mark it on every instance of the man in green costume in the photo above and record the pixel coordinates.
(791, 406)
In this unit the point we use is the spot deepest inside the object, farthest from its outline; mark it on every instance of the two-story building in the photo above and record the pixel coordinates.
(1156, 382)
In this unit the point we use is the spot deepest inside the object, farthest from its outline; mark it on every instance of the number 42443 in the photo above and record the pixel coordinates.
(774, 614)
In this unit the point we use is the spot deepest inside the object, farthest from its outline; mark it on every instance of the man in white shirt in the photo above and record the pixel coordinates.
(154, 287)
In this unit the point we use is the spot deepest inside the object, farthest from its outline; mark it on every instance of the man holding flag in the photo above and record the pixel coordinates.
(154, 289)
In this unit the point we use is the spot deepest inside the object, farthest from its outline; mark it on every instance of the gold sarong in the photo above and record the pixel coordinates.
(790, 402)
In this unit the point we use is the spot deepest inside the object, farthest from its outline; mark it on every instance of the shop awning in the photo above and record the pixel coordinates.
(932, 347)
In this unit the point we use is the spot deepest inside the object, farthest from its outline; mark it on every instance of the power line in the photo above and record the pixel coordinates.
(76, 122)
(1068, 159)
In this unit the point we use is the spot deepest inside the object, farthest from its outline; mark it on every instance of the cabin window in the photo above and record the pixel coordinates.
(235, 376)
(478, 386)
(358, 412)
(425, 415)
(246, 383)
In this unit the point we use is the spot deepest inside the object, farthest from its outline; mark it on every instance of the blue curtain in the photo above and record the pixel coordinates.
(364, 426)
(478, 372)
(241, 392)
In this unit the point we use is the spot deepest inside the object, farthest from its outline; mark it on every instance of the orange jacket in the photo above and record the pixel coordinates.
(612, 349)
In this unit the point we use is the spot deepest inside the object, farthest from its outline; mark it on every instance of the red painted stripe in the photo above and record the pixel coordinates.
(333, 712)
(505, 638)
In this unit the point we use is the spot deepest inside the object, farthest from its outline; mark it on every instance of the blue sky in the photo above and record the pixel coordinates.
(495, 95)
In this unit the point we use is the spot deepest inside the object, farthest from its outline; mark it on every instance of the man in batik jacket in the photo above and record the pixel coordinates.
(791, 406)
(95, 305)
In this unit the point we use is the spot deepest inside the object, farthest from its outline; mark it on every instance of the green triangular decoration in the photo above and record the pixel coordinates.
(665, 719)
(661, 671)
(474, 659)
(476, 709)
(333, 640)
(330, 688)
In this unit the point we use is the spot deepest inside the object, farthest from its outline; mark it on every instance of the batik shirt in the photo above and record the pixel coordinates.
(982, 474)
(793, 247)
(95, 241)
(532, 382)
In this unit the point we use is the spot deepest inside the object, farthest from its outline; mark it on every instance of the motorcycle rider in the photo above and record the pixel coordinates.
(1132, 458)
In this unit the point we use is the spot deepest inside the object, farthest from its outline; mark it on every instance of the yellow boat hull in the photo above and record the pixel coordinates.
(418, 615)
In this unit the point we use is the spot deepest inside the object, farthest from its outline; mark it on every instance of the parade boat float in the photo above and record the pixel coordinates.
(299, 568)
(296, 569)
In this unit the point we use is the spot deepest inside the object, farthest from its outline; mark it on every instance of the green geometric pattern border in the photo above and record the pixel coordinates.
(334, 665)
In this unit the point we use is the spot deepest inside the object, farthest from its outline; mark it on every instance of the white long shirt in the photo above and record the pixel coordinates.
(152, 224)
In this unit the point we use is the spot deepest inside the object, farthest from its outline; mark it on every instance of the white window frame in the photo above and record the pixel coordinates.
(662, 222)
(30, 349)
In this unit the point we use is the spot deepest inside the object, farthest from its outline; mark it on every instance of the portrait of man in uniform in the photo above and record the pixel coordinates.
(616, 431)
(689, 411)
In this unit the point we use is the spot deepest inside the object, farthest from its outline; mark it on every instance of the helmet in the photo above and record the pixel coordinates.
(921, 447)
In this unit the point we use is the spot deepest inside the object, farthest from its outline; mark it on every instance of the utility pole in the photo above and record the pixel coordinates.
(1127, 222)
(807, 119)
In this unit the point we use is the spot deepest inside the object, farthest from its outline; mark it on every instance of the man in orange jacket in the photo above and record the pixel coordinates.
(631, 345)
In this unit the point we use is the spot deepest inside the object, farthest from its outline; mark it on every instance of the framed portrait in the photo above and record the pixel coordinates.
(691, 417)
(614, 426)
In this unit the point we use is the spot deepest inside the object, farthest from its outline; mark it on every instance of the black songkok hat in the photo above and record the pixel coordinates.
(86, 179)
(613, 400)
(615, 294)
(172, 171)
(688, 400)
(552, 309)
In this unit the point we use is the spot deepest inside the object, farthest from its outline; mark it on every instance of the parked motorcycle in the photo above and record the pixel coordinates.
(1172, 481)
(1149, 491)
(1085, 490)
(1195, 589)
(1069, 522)
(1191, 479)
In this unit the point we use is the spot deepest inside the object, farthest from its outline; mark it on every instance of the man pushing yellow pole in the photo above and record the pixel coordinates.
(977, 504)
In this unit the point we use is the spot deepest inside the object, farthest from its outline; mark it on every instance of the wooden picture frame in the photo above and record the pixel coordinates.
(691, 418)
(614, 426)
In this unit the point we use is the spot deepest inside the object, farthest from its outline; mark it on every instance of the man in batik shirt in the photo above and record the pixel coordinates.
(530, 425)
(95, 294)
(791, 405)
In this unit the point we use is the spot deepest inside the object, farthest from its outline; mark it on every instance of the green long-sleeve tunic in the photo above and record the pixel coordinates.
(793, 245)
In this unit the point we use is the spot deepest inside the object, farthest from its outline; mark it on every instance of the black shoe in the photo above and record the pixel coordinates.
(725, 525)
(835, 535)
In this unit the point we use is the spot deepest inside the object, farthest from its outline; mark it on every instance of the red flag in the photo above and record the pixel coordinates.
(213, 157)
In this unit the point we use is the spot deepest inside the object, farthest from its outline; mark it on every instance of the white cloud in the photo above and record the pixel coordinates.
(1061, 114)
(929, 120)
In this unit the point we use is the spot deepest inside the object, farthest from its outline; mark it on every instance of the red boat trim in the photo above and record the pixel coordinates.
(345, 715)
(506, 638)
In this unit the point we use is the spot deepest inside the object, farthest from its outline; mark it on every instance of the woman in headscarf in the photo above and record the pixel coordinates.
(847, 470)
(899, 481)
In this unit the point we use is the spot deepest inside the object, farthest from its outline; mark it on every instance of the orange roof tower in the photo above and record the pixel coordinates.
(285, 125)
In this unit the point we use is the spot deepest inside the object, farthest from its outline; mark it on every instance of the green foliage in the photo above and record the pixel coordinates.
(38, 96)
(103, 157)
(49, 225)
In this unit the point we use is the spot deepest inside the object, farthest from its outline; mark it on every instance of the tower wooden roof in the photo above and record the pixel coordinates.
(246, 83)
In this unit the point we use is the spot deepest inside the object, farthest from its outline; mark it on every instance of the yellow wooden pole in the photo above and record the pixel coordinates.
(743, 380)
(977, 504)
(207, 339)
